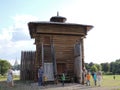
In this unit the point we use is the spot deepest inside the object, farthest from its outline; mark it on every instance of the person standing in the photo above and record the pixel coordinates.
(92, 74)
(40, 76)
(84, 76)
(88, 77)
(45, 80)
(114, 77)
(95, 78)
(99, 78)
(10, 77)
(56, 79)
(63, 79)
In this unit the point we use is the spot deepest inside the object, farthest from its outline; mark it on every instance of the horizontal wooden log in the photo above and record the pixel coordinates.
(61, 29)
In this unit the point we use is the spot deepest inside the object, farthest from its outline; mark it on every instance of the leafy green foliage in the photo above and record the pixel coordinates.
(99, 67)
(94, 68)
(107, 68)
(4, 66)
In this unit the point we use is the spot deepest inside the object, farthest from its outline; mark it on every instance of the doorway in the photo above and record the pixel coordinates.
(61, 68)
(48, 71)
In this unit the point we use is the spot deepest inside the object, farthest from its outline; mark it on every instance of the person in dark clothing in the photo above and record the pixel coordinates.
(114, 77)
(40, 76)
(92, 75)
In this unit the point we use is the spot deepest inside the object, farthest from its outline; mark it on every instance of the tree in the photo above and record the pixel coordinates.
(4, 66)
(99, 67)
(94, 68)
(87, 66)
(105, 67)
(111, 68)
(115, 67)
(91, 64)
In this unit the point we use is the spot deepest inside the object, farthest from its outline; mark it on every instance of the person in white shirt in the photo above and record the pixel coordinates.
(99, 77)
(10, 77)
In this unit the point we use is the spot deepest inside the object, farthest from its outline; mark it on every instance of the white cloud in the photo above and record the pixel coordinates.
(16, 38)
(6, 34)
(21, 31)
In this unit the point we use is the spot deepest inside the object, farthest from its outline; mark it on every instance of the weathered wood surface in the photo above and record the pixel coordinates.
(27, 65)
(64, 49)
(58, 28)
(55, 43)
(61, 29)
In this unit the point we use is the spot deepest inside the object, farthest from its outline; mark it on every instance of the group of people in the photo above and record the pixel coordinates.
(42, 79)
(97, 77)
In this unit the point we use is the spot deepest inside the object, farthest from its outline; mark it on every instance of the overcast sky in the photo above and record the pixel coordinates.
(101, 45)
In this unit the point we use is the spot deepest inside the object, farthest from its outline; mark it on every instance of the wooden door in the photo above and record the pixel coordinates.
(48, 71)
(61, 68)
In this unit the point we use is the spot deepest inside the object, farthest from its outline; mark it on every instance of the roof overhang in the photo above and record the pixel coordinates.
(33, 26)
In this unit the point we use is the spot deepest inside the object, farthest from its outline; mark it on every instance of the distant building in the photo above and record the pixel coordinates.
(16, 63)
(16, 66)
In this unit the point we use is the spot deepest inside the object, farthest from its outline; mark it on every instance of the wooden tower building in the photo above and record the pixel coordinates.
(59, 47)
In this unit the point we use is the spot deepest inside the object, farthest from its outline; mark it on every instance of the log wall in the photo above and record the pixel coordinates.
(61, 29)
(64, 49)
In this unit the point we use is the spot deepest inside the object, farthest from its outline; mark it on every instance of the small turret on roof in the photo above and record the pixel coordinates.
(57, 18)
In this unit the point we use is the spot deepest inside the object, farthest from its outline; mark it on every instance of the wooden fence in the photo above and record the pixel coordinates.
(27, 65)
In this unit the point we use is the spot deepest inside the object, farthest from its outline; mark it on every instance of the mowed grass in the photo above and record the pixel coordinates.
(108, 81)
(4, 78)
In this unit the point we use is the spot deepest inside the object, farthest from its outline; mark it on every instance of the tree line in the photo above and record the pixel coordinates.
(107, 68)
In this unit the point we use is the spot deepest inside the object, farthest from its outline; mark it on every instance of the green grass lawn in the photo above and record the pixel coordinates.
(108, 81)
(4, 78)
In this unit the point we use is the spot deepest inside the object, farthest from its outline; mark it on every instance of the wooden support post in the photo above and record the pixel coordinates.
(53, 59)
(83, 64)
(80, 61)
(42, 55)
